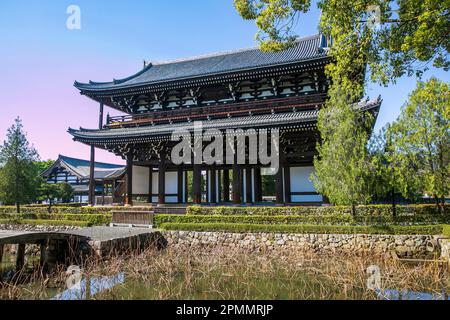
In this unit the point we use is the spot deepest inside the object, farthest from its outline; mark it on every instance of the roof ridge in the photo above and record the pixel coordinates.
(61, 157)
(220, 53)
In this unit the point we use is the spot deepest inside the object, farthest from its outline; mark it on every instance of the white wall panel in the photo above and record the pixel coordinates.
(140, 180)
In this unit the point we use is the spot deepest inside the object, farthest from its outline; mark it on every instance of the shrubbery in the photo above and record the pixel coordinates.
(303, 228)
(67, 210)
(90, 219)
(361, 211)
(328, 219)
(47, 222)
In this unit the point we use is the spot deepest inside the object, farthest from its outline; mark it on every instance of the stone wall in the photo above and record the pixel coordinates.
(402, 245)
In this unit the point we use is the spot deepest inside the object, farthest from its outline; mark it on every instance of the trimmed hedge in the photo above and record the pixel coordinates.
(329, 219)
(314, 229)
(91, 219)
(67, 210)
(378, 210)
(73, 223)
(446, 230)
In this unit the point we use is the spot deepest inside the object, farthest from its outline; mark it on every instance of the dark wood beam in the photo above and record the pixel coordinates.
(162, 181)
(213, 185)
(287, 184)
(196, 184)
(279, 186)
(91, 195)
(150, 184)
(129, 193)
(180, 173)
(258, 184)
(248, 185)
(226, 185)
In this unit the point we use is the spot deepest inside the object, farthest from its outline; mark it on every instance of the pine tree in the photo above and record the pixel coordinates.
(18, 174)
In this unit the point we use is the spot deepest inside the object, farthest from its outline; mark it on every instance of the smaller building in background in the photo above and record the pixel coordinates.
(109, 178)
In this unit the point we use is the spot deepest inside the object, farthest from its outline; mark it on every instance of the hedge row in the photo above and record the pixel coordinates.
(363, 211)
(67, 210)
(329, 219)
(33, 222)
(314, 229)
(91, 219)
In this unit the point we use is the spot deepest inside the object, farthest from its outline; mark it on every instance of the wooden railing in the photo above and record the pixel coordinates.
(132, 218)
(217, 111)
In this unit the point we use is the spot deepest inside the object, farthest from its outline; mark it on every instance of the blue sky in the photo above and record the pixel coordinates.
(40, 58)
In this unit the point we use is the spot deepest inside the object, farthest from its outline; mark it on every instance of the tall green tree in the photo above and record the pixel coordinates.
(18, 174)
(343, 166)
(65, 192)
(420, 147)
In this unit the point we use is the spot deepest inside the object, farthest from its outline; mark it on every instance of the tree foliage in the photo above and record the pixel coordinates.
(18, 174)
(65, 192)
(420, 148)
(394, 37)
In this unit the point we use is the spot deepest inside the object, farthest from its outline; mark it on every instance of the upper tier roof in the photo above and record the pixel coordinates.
(304, 49)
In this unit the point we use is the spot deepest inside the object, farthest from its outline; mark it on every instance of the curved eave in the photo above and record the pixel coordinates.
(115, 87)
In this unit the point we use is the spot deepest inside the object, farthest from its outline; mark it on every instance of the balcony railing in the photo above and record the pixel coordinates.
(217, 111)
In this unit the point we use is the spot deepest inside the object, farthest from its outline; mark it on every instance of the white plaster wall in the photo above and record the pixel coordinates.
(140, 180)
(301, 182)
(171, 179)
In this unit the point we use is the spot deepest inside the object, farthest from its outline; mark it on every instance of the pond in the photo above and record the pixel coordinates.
(225, 274)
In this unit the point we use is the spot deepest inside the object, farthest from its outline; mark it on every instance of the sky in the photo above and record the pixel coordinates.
(40, 58)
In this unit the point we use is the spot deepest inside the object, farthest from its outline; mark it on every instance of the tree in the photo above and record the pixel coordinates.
(43, 165)
(343, 166)
(18, 174)
(395, 37)
(65, 192)
(421, 140)
(389, 38)
(49, 192)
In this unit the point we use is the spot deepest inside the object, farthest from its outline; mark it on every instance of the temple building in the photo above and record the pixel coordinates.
(109, 178)
(245, 89)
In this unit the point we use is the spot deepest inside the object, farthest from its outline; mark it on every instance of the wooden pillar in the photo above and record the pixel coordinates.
(43, 260)
(248, 185)
(207, 187)
(213, 185)
(161, 181)
(180, 185)
(226, 185)
(279, 186)
(196, 184)
(20, 256)
(237, 184)
(219, 186)
(287, 184)
(129, 196)
(150, 184)
(91, 194)
(257, 181)
(100, 116)
(186, 186)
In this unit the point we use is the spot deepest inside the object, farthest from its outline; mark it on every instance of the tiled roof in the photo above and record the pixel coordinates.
(279, 120)
(305, 49)
(81, 168)
(220, 124)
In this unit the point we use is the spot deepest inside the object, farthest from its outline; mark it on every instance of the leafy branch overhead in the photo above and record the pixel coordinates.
(393, 37)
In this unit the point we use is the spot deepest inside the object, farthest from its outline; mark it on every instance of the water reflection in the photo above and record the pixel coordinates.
(394, 294)
(89, 288)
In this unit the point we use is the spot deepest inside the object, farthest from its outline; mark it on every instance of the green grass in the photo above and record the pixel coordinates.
(319, 229)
